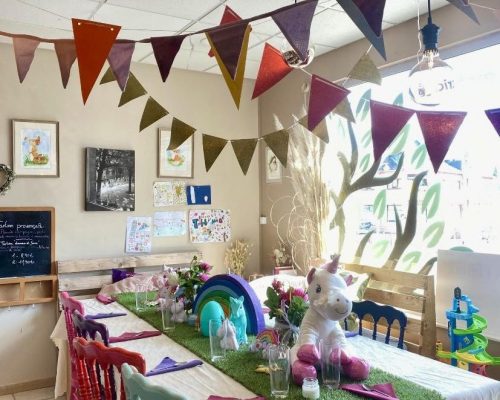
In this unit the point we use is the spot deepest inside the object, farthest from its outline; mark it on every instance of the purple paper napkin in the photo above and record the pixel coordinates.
(169, 365)
(105, 315)
(382, 391)
(133, 336)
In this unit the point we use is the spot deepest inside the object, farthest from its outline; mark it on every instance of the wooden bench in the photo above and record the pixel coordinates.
(411, 293)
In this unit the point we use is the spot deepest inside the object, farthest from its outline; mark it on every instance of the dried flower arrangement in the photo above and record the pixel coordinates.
(237, 256)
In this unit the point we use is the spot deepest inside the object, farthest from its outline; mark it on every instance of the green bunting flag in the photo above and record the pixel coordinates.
(132, 91)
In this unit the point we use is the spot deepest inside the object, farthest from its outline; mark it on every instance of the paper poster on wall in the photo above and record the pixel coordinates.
(209, 226)
(170, 193)
(199, 194)
(169, 223)
(138, 235)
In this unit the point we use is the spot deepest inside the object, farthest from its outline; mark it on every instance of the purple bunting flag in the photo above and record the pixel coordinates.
(439, 129)
(295, 24)
(323, 98)
(494, 117)
(387, 122)
(24, 51)
(66, 56)
(465, 7)
(165, 49)
(119, 58)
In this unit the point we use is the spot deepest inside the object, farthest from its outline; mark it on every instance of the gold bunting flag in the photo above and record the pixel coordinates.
(153, 111)
(180, 132)
(365, 70)
(212, 147)
(344, 110)
(278, 143)
(132, 91)
(320, 131)
(108, 77)
(244, 149)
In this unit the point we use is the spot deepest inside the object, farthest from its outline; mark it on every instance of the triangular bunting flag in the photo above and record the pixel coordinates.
(132, 91)
(119, 59)
(494, 117)
(439, 129)
(234, 85)
(365, 70)
(273, 68)
(295, 24)
(228, 17)
(244, 149)
(387, 122)
(66, 56)
(344, 110)
(93, 41)
(320, 131)
(367, 15)
(278, 143)
(465, 7)
(212, 147)
(153, 111)
(24, 51)
(323, 98)
(180, 132)
(165, 49)
(108, 77)
(228, 42)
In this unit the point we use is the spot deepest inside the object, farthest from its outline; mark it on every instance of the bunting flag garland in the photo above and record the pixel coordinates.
(272, 69)
(66, 56)
(244, 149)
(93, 42)
(320, 131)
(278, 143)
(439, 129)
(165, 49)
(323, 98)
(24, 51)
(235, 85)
(494, 117)
(180, 132)
(119, 58)
(108, 77)
(344, 110)
(212, 147)
(367, 15)
(153, 111)
(132, 91)
(227, 17)
(387, 122)
(295, 24)
(365, 70)
(465, 7)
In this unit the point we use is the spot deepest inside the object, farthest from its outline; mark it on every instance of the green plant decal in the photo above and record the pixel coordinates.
(427, 266)
(431, 200)
(366, 140)
(434, 232)
(379, 205)
(418, 157)
(410, 259)
(361, 246)
(364, 163)
(380, 247)
(364, 105)
(398, 101)
(400, 141)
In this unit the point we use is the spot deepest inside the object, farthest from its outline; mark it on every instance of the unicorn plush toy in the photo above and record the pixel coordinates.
(327, 305)
(239, 318)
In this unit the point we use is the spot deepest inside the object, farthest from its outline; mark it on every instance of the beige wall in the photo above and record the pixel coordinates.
(201, 100)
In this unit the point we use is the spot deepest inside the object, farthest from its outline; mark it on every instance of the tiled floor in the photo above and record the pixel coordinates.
(38, 394)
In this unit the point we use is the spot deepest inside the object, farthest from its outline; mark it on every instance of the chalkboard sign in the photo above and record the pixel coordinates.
(26, 241)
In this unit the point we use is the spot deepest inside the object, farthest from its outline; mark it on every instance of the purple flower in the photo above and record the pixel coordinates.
(205, 267)
(204, 277)
(277, 285)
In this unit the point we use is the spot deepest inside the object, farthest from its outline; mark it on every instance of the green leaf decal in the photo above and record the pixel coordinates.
(379, 205)
(400, 141)
(431, 200)
(398, 101)
(412, 258)
(380, 247)
(367, 138)
(364, 163)
(434, 232)
(363, 100)
(418, 157)
(462, 248)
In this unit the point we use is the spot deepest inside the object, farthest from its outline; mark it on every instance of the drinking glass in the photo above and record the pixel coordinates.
(141, 297)
(216, 350)
(330, 363)
(279, 370)
(166, 317)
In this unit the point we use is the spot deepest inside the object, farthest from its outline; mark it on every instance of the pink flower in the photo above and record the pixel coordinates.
(277, 285)
(205, 267)
(299, 292)
(285, 296)
(204, 277)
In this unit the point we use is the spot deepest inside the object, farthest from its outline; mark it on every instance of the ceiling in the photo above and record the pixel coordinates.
(331, 27)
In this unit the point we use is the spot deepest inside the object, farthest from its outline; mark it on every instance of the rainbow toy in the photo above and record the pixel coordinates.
(220, 288)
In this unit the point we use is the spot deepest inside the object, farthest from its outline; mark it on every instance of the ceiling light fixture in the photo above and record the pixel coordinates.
(431, 79)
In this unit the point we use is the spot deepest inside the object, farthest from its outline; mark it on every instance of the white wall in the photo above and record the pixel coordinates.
(201, 100)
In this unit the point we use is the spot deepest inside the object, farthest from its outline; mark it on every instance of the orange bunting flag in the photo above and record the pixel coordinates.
(228, 17)
(66, 56)
(24, 51)
(93, 41)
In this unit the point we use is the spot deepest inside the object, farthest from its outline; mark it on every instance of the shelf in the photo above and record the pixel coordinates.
(27, 290)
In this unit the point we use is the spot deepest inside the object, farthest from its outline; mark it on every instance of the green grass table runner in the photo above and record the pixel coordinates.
(240, 365)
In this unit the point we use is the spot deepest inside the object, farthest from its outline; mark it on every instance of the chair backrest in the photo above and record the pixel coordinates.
(97, 386)
(89, 328)
(138, 388)
(376, 311)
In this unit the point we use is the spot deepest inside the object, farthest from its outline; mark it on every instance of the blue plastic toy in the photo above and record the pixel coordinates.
(239, 318)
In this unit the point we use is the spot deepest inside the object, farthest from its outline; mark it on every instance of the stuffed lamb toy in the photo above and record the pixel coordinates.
(328, 305)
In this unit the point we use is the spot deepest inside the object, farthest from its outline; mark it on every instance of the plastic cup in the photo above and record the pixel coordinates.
(330, 363)
(166, 318)
(279, 370)
(141, 297)
(216, 350)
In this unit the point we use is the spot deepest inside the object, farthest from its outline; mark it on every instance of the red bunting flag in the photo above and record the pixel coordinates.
(228, 17)
(494, 117)
(387, 122)
(24, 51)
(323, 98)
(119, 59)
(439, 129)
(66, 56)
(273, 68)
(165, 49)
(93, 41)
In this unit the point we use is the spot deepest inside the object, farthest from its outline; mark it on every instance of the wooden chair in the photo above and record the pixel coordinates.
(97, 386)
(138, 388)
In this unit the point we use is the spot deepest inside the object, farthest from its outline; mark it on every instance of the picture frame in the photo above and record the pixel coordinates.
(176, 163)
(35, 148)
(273, 167)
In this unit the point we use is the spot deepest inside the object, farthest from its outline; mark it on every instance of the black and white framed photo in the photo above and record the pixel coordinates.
(110, 180)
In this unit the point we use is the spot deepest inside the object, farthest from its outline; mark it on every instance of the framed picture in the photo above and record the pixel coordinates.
(176, 163)
(110, 180)
(273, 167)
(35, 148)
